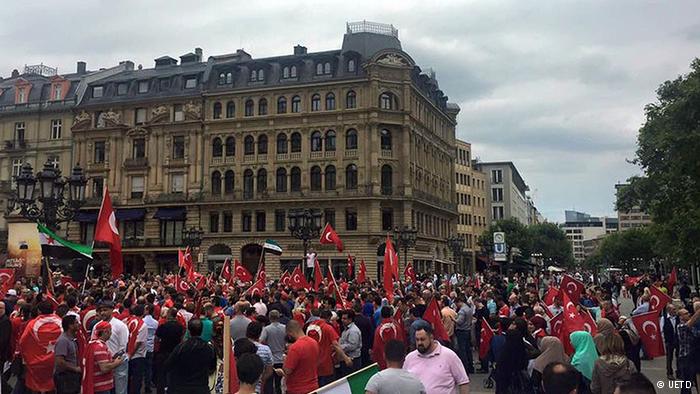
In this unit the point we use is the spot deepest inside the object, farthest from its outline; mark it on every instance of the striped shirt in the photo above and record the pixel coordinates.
(102, 381)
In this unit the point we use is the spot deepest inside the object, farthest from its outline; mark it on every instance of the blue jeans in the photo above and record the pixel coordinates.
(137, 371)
(464, 349)
(149, 371)
(121, 378)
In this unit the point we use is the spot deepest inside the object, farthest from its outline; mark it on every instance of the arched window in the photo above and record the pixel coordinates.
(296, 104)
(281, 143)
(351, 65)
(261, 75)
(296, 142)
(387, 174)
(249, 108)
(385, 139)
(216, 147)
(222, 78)
(316, 102)
(351, 139)
(295, 179)
(388, 101)
(262, 144)
(293, 72)
(229, 78)
(330, 178)
(228, 182)
(217, 110)
(230, 146)
(282, 105)
(327, 68)
(351, 177)
(330, 102)
(262, 180)
(216, 183)
(330, 140)
(285, 72)
(281, 180)
(249, 145)
(262, 107)
(351, 100)
(319, 69)
(316, 144)
(315, 178)
(253, 75)
(230, 109)
(248, 184)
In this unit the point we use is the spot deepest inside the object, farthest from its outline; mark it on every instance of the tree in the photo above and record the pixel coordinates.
(667, 153)
(633, 248)
(549, 240)
(517, 236)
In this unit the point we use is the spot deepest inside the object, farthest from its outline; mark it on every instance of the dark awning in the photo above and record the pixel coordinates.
(130, 214)
(86, 216)
(174, 213)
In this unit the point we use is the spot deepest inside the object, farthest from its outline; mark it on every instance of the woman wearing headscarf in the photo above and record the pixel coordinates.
(521, 325)
(510, 374)
(612, 366)
(631, 340)
(585, 353)
(605, 329)
(552, 351)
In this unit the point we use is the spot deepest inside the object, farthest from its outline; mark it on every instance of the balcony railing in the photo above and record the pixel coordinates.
(136, 162)
(15, 144)
(351, 153)
(330, 153)
(217, 160)
(316, 155)
(282, 156)
(387, 153)
(295, 156)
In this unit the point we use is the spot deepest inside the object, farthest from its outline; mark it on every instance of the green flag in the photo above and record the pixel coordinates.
(352, 384)
(54, 246)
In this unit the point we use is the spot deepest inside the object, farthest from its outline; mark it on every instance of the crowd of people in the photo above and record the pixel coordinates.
(140, 334)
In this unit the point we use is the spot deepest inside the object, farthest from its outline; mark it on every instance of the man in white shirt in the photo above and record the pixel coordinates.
(152, 326)
(260, 307)
(117, 344)
(137, 363)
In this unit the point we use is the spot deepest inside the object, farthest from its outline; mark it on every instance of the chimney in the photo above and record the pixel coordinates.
(299, 50)
(82, 68)
(15, 73)
(198, 52)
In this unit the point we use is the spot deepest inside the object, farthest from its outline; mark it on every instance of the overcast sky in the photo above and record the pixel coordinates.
(557, 87)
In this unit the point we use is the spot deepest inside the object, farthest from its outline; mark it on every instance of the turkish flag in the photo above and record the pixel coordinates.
(181, 284)
(546, 310)
(185, 262)
(409, 273)
(226, 271)
(573, 288)
(7, 280)
(67, 281)
(632, 281)
(330, 237)
(133, 324)
(362, 275)
(432, 315)
(572, 319)
(398, 320)
(672, 279)
(658, 299)
(318, 277)
(391, 263)
(37, 348)
(649, 330)
(285, 278)
(551, 294)
(351, 267)
(241, 273)
(257, 287)
(559, 330)
(261, 275)
(298, 281)
(588, 322)
(485, 339)
(200, 281)
(106, 231)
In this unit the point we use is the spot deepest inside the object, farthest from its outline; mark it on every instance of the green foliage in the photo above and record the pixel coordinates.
(669, 154)
(545, 238)
(633, 248)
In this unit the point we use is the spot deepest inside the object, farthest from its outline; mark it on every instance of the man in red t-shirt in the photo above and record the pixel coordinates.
(99, 362)
(327, 338)
(303, 352)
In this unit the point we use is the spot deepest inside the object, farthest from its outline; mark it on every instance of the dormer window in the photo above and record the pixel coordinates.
(293, 72)
(143, 86)
(323, 68)
(190, 83)
(57, 92)
(327, 68)
(257, 75)
(97, 91)
(319, 69)
(21, 96)
(351, 65)
(289, 72)
(225, 78)
(122, 88)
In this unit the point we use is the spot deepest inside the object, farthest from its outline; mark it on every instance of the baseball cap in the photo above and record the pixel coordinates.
(12, 292)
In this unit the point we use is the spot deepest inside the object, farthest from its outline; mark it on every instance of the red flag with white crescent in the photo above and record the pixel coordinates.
(106, 231)
(588, 322)
(37, 345)
(261, 275)
(226, 271)
(409, 273)
(181, 285)
(285, 278)
(362, 275)
(7, 280)
(330, 237)
(241, 272)
(551, 294)
(256, 288)
(351, 266)
(391, 260)
(658, 299)
(485, 339)
(573, 288)
(298, 281)
(649, 330)
(432, 315)
(318, 277)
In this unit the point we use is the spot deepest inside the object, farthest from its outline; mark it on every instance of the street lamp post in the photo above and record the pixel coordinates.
(456, 244)
(406, 239)
(50, 207)
(192, 237)
(305, 224)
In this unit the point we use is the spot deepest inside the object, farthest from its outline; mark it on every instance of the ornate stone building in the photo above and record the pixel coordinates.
(233, 143)
(472, 203)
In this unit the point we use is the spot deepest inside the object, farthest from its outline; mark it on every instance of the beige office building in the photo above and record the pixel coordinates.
(471, 204)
